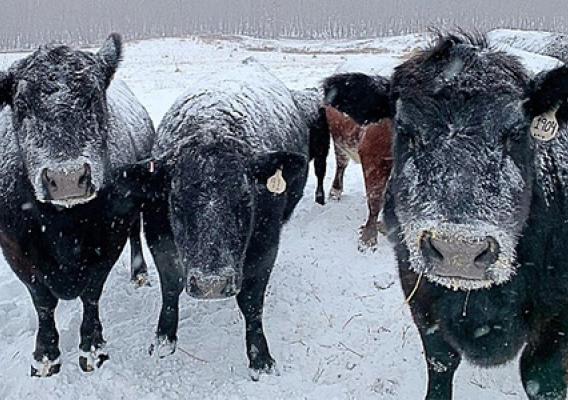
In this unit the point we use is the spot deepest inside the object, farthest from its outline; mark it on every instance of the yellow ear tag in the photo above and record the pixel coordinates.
(276, 183)
(545, 126)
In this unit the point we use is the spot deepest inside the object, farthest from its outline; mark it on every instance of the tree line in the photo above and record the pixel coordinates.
(25, 24)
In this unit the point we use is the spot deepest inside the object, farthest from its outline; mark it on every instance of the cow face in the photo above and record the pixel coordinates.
(463, 172)
(60, 117)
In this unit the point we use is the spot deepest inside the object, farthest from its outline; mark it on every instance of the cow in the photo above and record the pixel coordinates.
(228, 167)
(309, 102)
(66, 131)
(476, 209)
(360, 124)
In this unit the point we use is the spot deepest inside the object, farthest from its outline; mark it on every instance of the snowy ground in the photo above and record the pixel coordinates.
(335, 318)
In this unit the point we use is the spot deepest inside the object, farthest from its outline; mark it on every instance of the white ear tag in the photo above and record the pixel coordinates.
(545, 126)
(276, 183)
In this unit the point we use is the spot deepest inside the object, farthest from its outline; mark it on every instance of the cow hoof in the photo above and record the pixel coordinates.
(267, 367)
(382, 228)
(45, 368)
(320, 199)
(163, 347)
(89, 361)
(335, 194)
(141, 280)
(367, 241)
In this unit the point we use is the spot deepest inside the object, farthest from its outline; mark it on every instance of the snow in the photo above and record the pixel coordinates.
(335, 318)
(545, 43)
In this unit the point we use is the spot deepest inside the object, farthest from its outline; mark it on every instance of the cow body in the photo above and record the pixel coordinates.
(65, 249)
(475, 207)
(364, 135)
(214, 227)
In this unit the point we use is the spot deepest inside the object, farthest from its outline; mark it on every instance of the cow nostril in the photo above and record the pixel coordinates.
(428, 248)
(48, 181)
(85, 178)
(490, 254)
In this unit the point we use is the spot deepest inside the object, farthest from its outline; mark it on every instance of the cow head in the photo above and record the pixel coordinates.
(60, 118)
(212, 193)
(461, 187)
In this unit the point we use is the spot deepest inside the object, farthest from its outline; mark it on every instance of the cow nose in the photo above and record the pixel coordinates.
(459, 259)
(214, 287)
(65, 184)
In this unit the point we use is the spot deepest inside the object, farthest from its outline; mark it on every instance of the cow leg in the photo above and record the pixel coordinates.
(319, 149)
(341, 162)
(320, 167)
(138, 267)
(172, 282)
(92, 341)
(376, 171)
(258, 267)
(543, 367)
(46, 354)
(442, 360)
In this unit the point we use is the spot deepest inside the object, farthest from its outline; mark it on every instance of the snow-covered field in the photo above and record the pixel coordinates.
(335, 318)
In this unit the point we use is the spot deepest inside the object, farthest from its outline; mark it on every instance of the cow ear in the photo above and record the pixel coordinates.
(110, 55)
(290, 164)
(145, 180)
(364, 98)
(6, 91)
(548, 92)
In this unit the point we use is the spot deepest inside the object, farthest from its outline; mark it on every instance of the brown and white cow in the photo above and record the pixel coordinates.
(361, 129)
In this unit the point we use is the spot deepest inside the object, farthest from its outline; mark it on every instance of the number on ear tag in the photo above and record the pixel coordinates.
(276, 183)
(545, 126)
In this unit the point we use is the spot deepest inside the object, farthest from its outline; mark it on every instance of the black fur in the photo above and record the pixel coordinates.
(447, 163)
(363, 98)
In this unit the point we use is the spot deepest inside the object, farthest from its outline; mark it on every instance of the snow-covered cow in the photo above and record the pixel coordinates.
(361, 127)
(476, 207)
(230, 165)
(65, 132)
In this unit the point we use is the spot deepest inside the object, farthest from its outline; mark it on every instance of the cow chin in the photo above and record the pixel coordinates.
(457, 271)
(71, 202)
(222, 284)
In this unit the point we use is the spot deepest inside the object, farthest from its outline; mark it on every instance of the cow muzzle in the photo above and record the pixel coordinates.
(68, 186)
(457, 258)
(213, 287)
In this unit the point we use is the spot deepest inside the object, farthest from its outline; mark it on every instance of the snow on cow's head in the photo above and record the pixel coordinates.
(60, 117)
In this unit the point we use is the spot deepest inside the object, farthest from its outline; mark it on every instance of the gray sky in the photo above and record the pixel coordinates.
(27, 23)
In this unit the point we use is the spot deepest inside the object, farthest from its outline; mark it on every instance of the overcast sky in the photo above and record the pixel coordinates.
(27, 23)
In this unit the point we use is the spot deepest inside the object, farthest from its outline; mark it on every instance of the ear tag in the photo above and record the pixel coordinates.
(276, 183)
(545, 126)
(152, 166)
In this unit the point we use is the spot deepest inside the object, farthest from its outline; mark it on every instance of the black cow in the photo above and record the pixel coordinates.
(65, 134)
(476, 208)
(214, 221)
